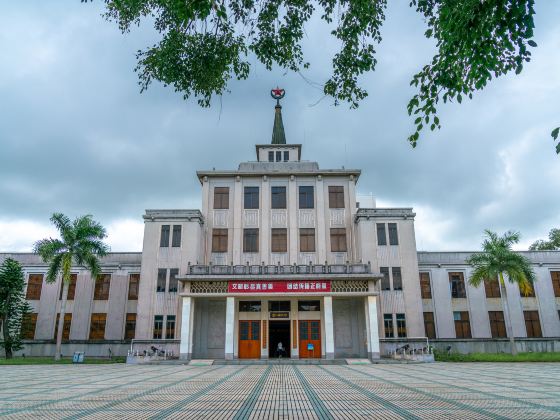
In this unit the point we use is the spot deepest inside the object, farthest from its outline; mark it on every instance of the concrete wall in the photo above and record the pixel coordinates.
(349, 327)
(209, 328)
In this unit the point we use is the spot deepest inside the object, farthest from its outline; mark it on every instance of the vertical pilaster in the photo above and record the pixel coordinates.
(230, 324)
(293, 233)
(322, 222)
(187, 318)
(237, 244)
(329, 327)
(372, 327)
(265, 221)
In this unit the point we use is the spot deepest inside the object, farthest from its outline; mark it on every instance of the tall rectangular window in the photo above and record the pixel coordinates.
(429, 325)
(221, 197)
(66, 326)
(336, 197)
(279, 240)
(457, 285)
(385, 281)
(393, 234)
(71, 287)
(381, 235)
(492, 288)
(462, 324)
(278, 197)
(130, 327)
(532, 324)
(286, 156)
(497, 324)
(307, 240)
(164, 237)
(133, 286)
(397, 278)
(176, 238)
(306, 197)
(250, 240)
(388, 324)
(251, 198)
(555, 277)
(34, 286)
(425, 286)
(158, 327)
(401, 325)
(219, 240)
(102, 286)
(161, 280)
(338, 240)
(278, 156)
(97, 326)
(170, 327)
(173, 282)
(28, 326)
(271, 156)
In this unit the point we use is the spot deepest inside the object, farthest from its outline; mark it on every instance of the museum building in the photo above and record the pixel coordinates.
(283, 261)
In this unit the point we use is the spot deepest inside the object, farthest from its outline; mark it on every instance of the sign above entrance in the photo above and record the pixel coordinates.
(279, 286)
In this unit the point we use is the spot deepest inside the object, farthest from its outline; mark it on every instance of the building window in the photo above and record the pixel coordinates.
(250, 240)
(462, 324)
(97, 326)
(388, 324)
(429, 325)
(532, 324)
(71, 288)
(279, 240)
(130, 327)
(401, 325)
(164, 238)
(251, 198)
(425, 286)
(173, 282)
(278, 197)
(278, 305)
(381, 236)
(133, 286)
(306, 197)
(385, 281)
(170, 327)
(65, 327)
(102, 286)
(393, 234)
(336, 197)
(555, 277)
(28, 326)
(34, 286)
(271, 156)
(497, 324)
(338, 240)
(249, 306)
(176, 238)
(492, 288)
(219, 240)
(309, 305)
(221, 197)
(161, 280)
(278, 156)
(307, 240)
(158, 327)
(397, 278)
(457, 285)
(286, 156)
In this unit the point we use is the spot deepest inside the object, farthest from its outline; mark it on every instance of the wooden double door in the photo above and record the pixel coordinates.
(249, 339)
(310, 339)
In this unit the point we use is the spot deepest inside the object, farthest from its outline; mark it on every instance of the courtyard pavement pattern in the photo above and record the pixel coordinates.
(412, 391)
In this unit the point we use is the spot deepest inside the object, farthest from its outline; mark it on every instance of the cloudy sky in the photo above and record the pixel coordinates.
(76, 135)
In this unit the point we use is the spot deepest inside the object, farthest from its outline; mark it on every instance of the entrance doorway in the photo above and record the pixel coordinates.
(249, 339)
(279, 332)
(310, 339)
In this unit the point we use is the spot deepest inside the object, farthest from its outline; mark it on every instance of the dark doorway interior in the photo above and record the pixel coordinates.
(278, 331)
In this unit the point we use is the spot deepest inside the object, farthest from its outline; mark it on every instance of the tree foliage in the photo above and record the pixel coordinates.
(81, 243)
(13, 306)
(205, 43)
(552, 243)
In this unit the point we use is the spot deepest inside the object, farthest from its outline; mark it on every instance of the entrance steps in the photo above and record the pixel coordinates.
(280, 362)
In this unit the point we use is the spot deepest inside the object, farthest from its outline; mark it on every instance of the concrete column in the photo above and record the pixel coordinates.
(187, 318)
(230, 324)
(293, 233)
(264, 224)
(237, 244)
(372, 327)
(322, 223)
(329, 327)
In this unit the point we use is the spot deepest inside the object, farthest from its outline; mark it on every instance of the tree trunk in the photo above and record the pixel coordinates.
(65, 284)
(7, 341)
(505, 306)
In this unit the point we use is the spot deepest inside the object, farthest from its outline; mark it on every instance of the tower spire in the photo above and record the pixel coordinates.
(278, 135)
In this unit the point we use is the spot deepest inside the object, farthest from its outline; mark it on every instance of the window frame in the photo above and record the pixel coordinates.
(102, 288)
(430, 326)
(338, 240)
(336, 197)
(401, 325)
(161, 280)
(130, 319)
(279, 240)
(306, 197)
(250, 240)
(170, 327)
(71, 287)
(251, 197)
(221, 198)
(94, 334)
(133, 286)
(66, 325)
(34, 290)
(278, 198)
(460, 290)
(306, 239)
(220, 240)
(497, 324)
(176, 234)
(555, 279)
(165, 236)
(158, 324)
(173, 287)
(393, 233)
(388, 326)
(381, 231)
(386, 279)
(492, 289)
(533, 326)
(462, 325)
(425, 285)
(396, 272)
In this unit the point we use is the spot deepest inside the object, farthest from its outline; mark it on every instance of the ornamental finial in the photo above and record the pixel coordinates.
(277, 94)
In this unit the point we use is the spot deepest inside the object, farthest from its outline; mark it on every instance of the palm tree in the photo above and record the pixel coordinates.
(80, 244)
(496, 260)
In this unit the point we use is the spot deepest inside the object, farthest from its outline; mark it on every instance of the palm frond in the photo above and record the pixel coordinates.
(55, 267)
(48, 248)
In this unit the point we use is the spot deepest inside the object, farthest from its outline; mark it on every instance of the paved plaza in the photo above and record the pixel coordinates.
(413, 391)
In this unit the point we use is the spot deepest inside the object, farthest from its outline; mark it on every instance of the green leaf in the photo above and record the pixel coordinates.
(555, 133)
(532, 43)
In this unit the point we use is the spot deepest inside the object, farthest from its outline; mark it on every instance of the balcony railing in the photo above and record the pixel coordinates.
(244, 270)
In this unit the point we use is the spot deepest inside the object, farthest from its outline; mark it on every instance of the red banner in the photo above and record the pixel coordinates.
(279, 286)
